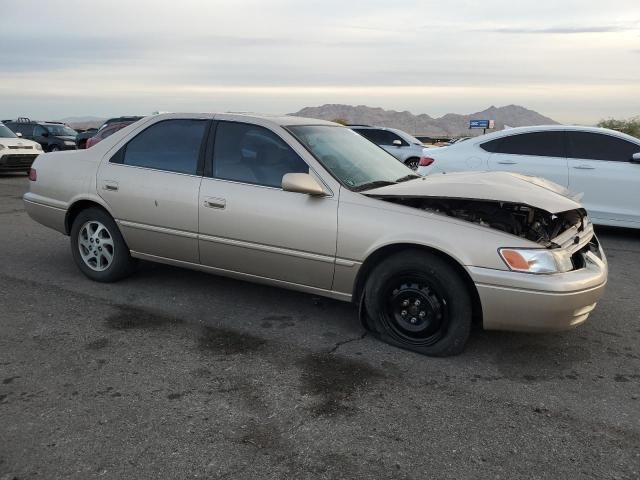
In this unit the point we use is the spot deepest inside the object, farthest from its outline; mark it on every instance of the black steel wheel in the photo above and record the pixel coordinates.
(419, 301)
(412, 163)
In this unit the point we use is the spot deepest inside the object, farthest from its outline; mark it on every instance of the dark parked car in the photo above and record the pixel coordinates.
(83, 136)
(107, 131)
(52, 136)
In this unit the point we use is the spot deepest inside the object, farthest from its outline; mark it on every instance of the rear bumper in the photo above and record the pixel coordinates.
(47, 215)
(16, 162)
(539, 303)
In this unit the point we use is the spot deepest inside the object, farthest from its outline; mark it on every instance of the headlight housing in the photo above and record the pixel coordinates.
(38, 147)
(537, 260)
(69, 142)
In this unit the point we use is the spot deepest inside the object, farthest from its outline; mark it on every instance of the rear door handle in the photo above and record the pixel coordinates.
(584, 167)
(507, 162)
(110, 185)
(212, 202)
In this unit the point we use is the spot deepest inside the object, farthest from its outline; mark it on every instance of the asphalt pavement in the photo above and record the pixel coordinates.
(179, 374)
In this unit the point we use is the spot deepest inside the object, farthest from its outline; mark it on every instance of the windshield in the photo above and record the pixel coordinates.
(5, 132)
(352, 159)
(61, 131)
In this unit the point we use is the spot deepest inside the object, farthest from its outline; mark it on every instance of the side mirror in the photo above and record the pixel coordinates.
(635, 158)
(397, 143)
(302, 183)
(18, 134)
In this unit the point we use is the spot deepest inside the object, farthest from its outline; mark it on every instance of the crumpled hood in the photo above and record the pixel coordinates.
(495, 186)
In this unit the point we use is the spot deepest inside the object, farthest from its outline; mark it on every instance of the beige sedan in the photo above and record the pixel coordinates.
(313, 206)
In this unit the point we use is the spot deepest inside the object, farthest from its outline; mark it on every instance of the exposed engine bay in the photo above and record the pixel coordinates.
(521, 220)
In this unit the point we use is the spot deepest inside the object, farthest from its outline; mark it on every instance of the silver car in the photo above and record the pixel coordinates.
(404, 147)
(312, 206)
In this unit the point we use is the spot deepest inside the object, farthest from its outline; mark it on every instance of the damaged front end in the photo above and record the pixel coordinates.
(521, 220)
(567, 237)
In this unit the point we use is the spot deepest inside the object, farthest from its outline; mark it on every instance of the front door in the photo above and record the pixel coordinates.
(539, 154)
(248, 224)
(151, 186)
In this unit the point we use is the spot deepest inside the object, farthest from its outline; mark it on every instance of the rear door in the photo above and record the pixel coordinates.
(539, 154)
(600, 166)
(151, 185)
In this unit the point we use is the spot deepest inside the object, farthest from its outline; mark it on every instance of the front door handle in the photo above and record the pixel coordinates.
(110, 185)
(584, 167)
(213, 202)
(507, 162)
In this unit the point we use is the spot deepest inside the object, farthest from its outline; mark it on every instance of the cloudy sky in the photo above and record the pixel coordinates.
(574, 60)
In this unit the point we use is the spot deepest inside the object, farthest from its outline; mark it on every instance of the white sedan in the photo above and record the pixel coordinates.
(602, 164)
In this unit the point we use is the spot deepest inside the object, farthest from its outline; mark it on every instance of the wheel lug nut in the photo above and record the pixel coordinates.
(414, 319)
(405, 303)
(423, 314)
(417, 303)
(403, 313)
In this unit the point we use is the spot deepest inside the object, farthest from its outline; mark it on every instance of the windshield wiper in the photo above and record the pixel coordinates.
(407, 177)
(371, 185)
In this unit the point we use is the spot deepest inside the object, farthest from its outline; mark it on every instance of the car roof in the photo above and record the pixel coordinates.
(279, 120)
(548, 128)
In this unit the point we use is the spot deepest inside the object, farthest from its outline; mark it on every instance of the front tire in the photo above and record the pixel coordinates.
(98, 247)
(412, 163)
(54, 148)
(418, 301)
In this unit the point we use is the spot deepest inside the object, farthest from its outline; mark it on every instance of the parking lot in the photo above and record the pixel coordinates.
(178, 374)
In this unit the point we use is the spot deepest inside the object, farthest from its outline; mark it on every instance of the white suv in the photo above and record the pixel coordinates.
(406, 148)
(16, 154)
(603, 164)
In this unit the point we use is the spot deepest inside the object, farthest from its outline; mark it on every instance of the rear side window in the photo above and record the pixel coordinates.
(379, 137)
(26, 129)
(542, 144)
(251, 154)
(171, 145)
(597, 146)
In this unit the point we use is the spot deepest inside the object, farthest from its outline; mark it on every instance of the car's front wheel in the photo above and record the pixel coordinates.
(418, 301)
(412, 163)
(98, 248)
(54, 148)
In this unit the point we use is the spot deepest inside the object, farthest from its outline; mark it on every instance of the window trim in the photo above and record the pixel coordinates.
(209, 160)
(118, 157)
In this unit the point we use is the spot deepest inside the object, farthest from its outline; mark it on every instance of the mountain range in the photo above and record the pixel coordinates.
(449, 125)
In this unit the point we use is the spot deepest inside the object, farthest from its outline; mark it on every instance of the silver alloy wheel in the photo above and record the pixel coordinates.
(96, 246)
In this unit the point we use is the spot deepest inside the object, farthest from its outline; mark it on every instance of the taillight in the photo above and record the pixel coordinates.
(33, 175)
(425, 161)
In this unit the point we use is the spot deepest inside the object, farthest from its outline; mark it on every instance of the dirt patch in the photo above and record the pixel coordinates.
(334, 380)
(98, 344)
(222, 341)
(134, 318)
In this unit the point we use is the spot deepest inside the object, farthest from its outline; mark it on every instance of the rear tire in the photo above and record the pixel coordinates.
(418, 301)
(98, 247)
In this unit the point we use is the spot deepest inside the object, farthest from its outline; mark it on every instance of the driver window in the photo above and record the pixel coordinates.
(251, 154)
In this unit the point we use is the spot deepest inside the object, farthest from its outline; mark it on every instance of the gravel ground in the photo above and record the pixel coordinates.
(179, 374)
